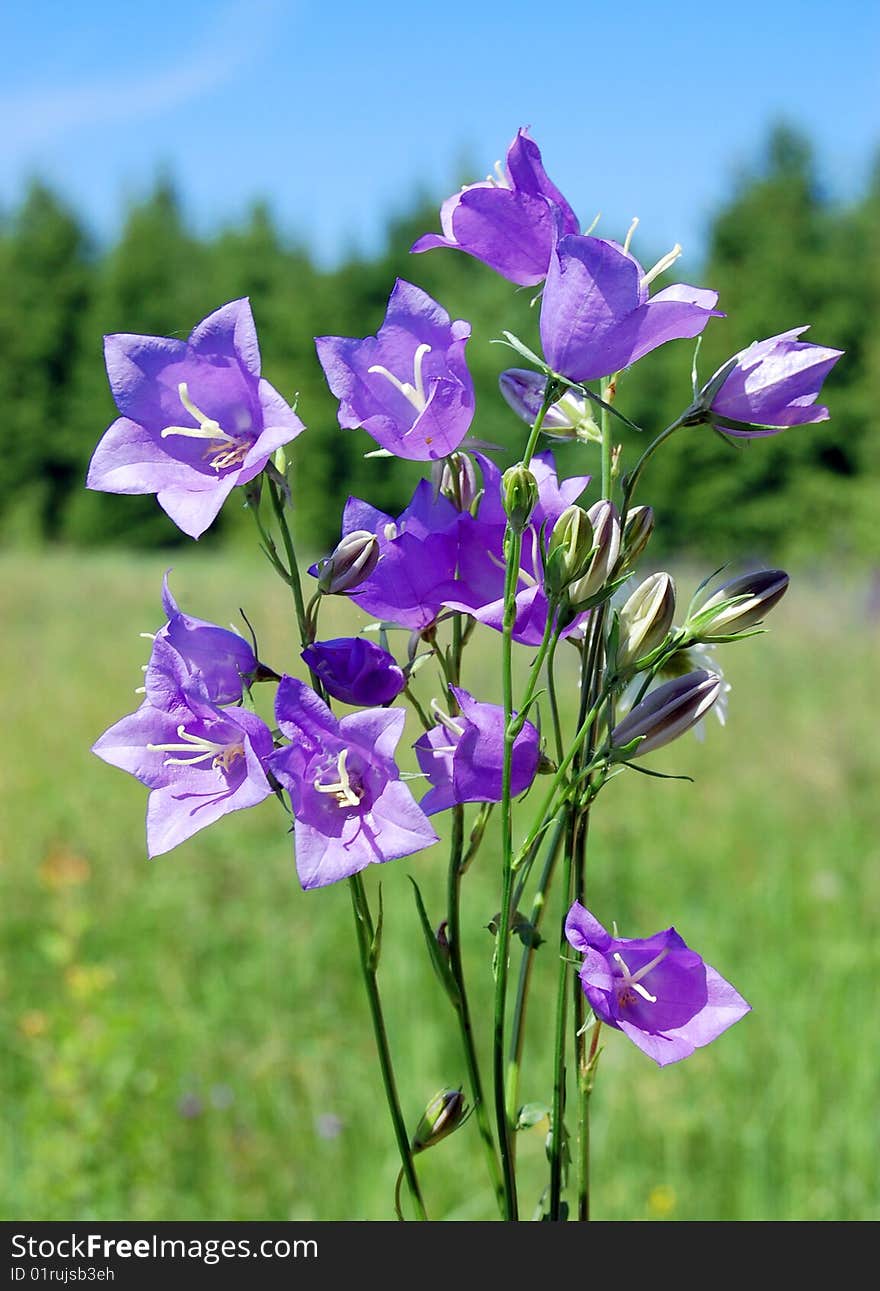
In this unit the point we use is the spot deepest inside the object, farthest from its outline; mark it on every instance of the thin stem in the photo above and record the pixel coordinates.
(502, 945)
(365, 934)
(632, 478)
(453, 936)
(557, 1123)
(295, 584)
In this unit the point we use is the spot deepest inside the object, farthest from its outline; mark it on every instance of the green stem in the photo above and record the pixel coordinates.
(293, 567)
(632, 478)
(365, 934)
(557, 1122)
(453, 936)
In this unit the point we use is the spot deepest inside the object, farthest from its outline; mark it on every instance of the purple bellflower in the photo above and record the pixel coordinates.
(199, 760)
(596, 314)
(197, 417)
(220, 656)
(774, 385)
(463, 756)
(408, 386)
(417, 558)
(355, 671)
(350, 806)
(510, 221)
(654, 989)
(479, 588)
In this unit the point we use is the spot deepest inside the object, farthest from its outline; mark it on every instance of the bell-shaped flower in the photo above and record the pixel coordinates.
(773, 384)
(570, 417)
(510, 221)
(355, 671)
(197, 417)
(479, 587)
(654, 989)
(597, 316)
(417, 557)
(463, 756)
(222, 657)
(199, 760)
(408, 386)
(350, 806)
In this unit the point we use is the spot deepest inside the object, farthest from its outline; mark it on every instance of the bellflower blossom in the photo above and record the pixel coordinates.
(355, 671)
(596, 314)
(418, 552)
(220, 656)
(199, 760)
(350, 806)
(653, 989)
(408, 386)
(510, 221)
(463, 756)
(479, 588)
(570, 417)
(197, 417)
(773, 385)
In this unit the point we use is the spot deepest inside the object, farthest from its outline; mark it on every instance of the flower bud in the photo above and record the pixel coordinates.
(636, 534)
(570, 417)
(444, 1113)
(458, 481)
(754, 595)
(645, 619)
(606, 542)
(352, 561)
(569, 550)
(667, 712)
(519, 490)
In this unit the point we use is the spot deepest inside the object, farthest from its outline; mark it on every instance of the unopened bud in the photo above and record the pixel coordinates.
(636, 534)
(444, 1113)
(519, 490)
(606, 542)
(667, 712)
(569, 550)
(570, 417)
(738, 605)
(645, 619)
(458, 481)
(353, 560)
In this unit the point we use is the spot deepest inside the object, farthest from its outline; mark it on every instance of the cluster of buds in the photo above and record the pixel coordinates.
(582, 555)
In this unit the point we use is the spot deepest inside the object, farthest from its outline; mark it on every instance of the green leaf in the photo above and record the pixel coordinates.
(438, 958)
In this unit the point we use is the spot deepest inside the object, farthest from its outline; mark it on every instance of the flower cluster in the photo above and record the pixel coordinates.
(520, 552)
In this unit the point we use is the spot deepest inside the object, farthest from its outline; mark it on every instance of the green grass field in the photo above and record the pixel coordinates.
(188, 1038)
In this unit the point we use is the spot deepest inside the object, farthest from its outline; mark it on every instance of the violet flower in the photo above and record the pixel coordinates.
(199, 760)
(510, 221)
(408, 386)
(773, 385)
(197, 417)
(596, 314)
(355, 671)
(479, 587)
(463, 756)
(653, 989)
(417, 558)
(219, 655)
(350, 806)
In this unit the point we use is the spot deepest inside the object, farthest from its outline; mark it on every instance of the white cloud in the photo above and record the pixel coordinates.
(42, 114)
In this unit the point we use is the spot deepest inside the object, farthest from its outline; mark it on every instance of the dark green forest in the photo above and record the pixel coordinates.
(779, 251)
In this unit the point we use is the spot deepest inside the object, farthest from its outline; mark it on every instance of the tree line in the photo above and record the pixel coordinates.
(779, 251)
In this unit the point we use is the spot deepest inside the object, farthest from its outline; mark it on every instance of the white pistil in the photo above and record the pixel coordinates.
(223, 449)
(345, 795)
(664, 263)
(222, 755)
(448, 723)
(630, 231)
(413, 392)
(632, 981)
(528, 579)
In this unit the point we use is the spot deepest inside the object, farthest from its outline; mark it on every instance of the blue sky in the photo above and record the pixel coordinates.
(337, 111)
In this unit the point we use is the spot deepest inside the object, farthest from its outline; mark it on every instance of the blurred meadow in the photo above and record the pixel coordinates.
(188, 1038)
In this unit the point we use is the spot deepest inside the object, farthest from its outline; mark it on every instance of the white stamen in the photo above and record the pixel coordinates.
(447, 722)
(664, 263)
(524, 577)
(413, 392)
(390, 531)
(223, 449)
(632, 981)
(148, 636)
